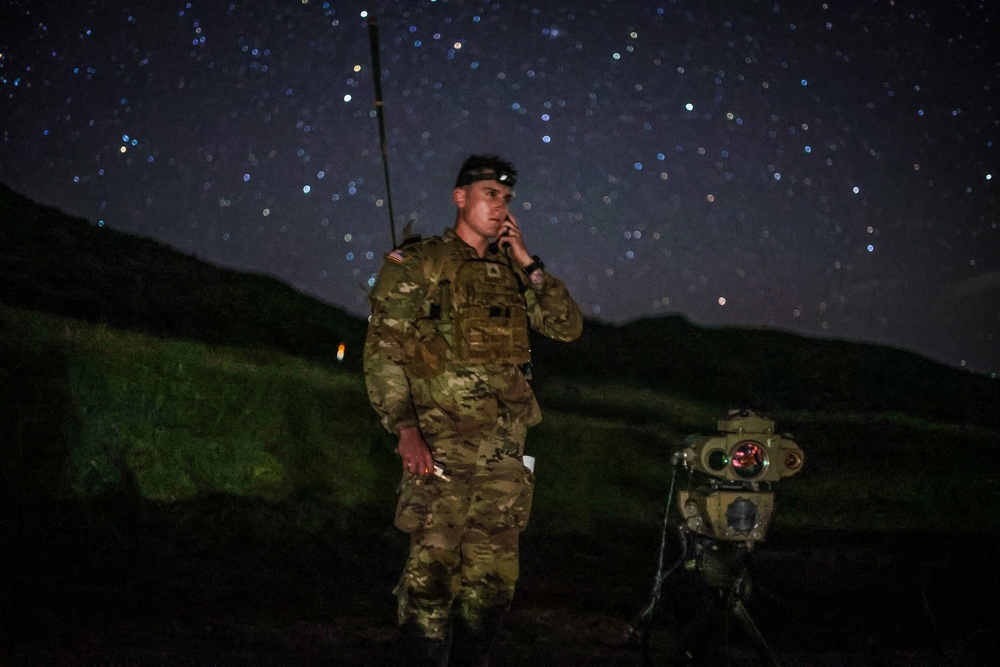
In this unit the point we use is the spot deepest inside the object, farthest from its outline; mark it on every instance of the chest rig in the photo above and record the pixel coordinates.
(479, 306)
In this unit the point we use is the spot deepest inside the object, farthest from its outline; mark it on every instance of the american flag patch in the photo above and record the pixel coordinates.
(398, 256)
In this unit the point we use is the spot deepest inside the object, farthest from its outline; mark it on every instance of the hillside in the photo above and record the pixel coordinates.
(189, 477)
(770, 370)
(51, 262)
(55, 263)
(220, 505)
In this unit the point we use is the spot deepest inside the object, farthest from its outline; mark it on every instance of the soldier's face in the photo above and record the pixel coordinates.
(483, 207)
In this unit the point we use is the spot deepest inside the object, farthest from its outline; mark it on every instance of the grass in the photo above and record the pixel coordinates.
(174, 420)
(97, 412)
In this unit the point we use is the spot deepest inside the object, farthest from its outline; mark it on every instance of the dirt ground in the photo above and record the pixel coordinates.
(819, 599)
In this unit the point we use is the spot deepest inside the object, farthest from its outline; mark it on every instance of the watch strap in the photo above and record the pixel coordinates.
(536, 264)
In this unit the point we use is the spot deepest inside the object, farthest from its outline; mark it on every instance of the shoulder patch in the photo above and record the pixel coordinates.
(398, 255)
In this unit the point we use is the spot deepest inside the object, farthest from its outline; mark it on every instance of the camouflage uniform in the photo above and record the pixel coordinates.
(446, 339)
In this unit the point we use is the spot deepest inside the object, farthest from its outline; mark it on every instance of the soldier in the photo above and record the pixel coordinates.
(445, 362)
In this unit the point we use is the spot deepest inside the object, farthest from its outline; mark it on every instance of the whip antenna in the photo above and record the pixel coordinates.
(373, 39)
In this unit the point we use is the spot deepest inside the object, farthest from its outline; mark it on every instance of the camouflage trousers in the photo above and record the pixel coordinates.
(463, 559)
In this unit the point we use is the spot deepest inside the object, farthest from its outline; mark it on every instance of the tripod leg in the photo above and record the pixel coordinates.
(739, 610)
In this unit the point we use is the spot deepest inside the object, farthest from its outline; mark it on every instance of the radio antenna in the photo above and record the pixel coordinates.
(377, 68)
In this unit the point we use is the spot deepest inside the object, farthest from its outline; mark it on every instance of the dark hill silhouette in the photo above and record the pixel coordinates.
(771, 370)
(52, 262)
(56, 263)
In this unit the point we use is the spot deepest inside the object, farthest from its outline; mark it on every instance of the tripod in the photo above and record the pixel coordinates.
(707, 615)
(724, 511)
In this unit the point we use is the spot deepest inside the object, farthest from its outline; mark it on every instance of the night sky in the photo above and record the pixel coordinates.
(824, 168)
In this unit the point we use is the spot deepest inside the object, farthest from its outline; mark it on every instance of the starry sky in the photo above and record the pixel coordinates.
(827, 168)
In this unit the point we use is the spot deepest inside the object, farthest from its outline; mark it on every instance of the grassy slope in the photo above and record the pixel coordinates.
(173, 419)
(98, 412)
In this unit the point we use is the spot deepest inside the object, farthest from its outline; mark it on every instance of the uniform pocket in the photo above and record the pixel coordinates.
(415, 504)
(426, 351)
(432, 503)
(521, 509)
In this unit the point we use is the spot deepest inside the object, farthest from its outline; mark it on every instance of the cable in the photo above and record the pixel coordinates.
(639, 627)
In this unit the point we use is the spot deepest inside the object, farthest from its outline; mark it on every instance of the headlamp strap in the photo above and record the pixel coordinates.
(502, 177)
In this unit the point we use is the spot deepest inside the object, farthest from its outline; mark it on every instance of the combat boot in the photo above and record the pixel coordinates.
(472, 646)
(418, 651)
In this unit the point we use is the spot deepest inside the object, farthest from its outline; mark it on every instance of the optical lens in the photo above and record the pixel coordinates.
(717, 459)
(749, 460)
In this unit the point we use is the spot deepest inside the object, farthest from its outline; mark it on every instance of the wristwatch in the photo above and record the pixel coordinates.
(536, 264)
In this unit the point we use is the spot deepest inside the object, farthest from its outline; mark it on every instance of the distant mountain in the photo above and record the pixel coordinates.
(55, 263)
(52, 262)
(770, 370)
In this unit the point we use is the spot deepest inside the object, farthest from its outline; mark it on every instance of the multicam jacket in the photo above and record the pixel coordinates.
(448, 334)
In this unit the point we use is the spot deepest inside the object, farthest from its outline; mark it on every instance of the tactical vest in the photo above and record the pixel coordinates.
(479, 306)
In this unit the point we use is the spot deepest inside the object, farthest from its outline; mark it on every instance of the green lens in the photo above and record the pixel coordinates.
(717, 459)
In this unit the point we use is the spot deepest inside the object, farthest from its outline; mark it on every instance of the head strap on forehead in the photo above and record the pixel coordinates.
(499, 175)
